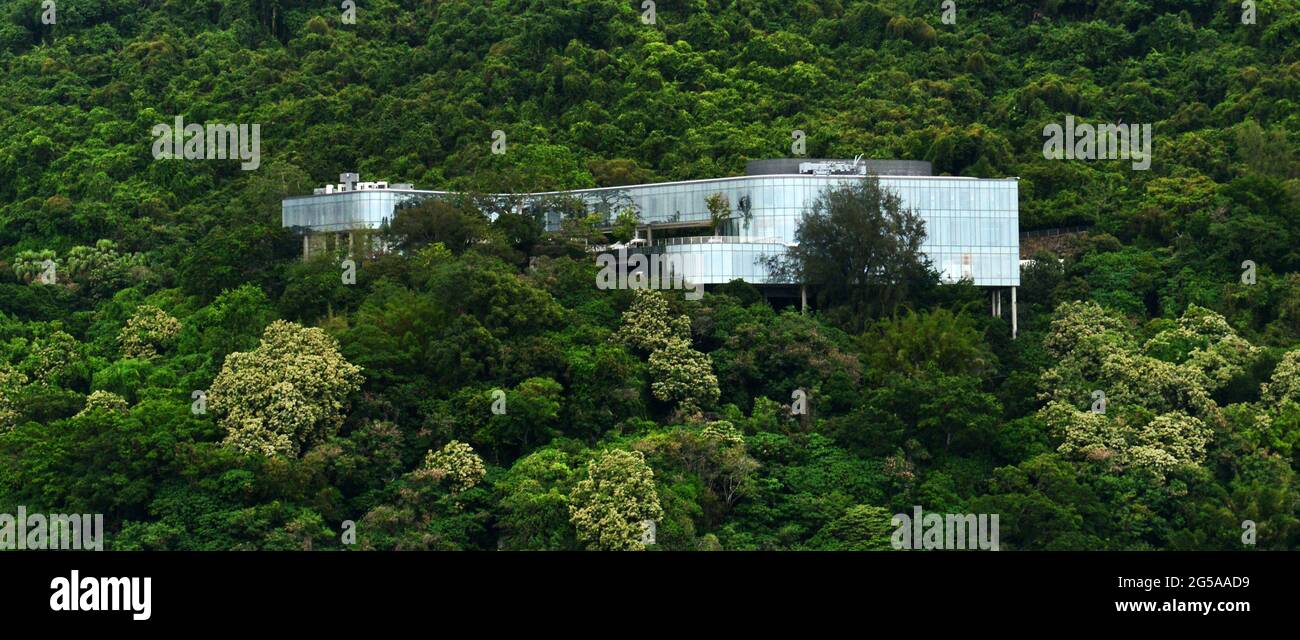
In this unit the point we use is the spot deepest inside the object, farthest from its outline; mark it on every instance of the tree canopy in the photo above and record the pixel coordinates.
(167, 358)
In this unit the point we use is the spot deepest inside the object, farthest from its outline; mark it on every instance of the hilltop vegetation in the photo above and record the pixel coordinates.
(187, 375)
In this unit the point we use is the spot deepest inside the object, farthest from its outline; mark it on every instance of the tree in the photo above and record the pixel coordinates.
(100, 269)
(715, 455)
(234, 255)
(315, 288)
(860, 249)
(1129, 440)
(522, 232)
(1285, 384)
(535, 502)
(1152, 407)
(233, 322)
(624, 227)
(768, 354)
(56, 359)
(680, 373)
(104, 401)
(1095, 351)
(912, 342)
(428, 510)
(494, 294)
(719, 211)
(456, 223)
(647, 324)
(530, 419)
(618, 494)
(287, 394)
(618, 172)
(1124, 279)
(683, 375)
(605, 385)
(729, 469)
(862, 528)
(953, 408)
(30, 266)
(1203, 341)
(458, 463)
(1074, 322)
(148, 331)
(1044, 503)
(11, 381)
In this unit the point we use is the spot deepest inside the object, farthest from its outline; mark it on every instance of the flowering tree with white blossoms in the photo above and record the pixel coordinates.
(149, 331)
(285, 395)
(608, 507)
(1158, 411)
(458, 463)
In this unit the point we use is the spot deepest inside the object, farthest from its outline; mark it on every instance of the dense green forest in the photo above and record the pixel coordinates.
(187, 375)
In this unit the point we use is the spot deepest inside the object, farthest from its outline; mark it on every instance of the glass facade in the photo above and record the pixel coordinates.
(344, 211)
(722, 262)
(972, 225)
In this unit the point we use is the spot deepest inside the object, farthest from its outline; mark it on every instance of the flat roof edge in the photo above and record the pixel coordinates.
(655, 184)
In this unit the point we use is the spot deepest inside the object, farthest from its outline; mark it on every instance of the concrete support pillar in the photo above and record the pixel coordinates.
(803, 298)
(1014, 321)
(306, 246)
(350, 252)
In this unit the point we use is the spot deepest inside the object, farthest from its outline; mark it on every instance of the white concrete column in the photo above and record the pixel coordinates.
(1014, 328)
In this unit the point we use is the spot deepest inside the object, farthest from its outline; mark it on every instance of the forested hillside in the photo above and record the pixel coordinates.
(168, 360)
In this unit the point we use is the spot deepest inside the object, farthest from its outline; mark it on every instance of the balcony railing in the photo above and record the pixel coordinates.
(668, 242)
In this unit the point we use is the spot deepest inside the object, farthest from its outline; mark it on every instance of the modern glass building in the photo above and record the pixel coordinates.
(971, 224)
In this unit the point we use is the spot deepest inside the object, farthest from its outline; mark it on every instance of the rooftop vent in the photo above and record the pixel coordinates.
(837, 166)
(352, 182)
(853, 167)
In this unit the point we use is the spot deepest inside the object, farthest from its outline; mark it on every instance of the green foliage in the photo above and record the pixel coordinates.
(100, 269)
(534, 502)
(30, 266)
(160, 335)
(914, 342)
(625, 225)
(861, 528)
(719, 210)
(456, 224)
(860, 249)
